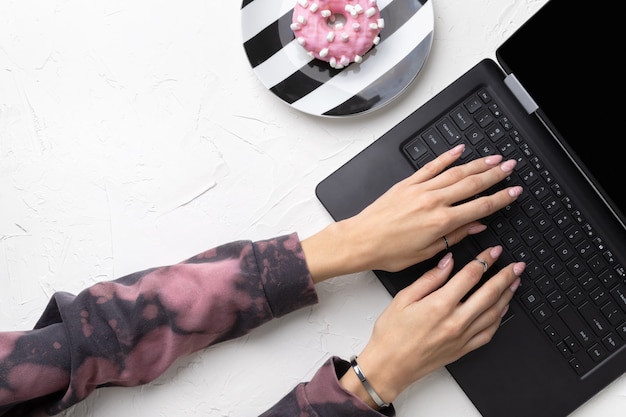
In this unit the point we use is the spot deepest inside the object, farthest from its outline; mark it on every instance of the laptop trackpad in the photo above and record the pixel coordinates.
(504, 366)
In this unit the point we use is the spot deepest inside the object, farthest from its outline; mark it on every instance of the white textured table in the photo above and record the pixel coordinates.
(134, 134)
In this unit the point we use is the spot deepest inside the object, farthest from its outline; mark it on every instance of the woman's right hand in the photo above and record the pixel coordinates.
(427, 325)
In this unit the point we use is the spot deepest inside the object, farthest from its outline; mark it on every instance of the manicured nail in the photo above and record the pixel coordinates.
(518, 268)
(458, 149)
(445, 260)
(476, 229)
(505, 310)
(495, 252)
(515, 191)
(508, 166)
(493, 160)
(515, 284)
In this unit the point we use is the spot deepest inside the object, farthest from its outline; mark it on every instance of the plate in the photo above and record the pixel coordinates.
(311, 85)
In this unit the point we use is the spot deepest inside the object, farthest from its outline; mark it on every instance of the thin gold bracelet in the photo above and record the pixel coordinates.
(357, 370)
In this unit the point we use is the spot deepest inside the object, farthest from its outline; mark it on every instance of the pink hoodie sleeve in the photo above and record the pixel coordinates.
(128, 331)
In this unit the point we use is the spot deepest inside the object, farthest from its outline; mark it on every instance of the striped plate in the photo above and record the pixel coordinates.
(311, 85)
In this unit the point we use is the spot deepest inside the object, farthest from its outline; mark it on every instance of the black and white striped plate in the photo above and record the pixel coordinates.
(311, 85)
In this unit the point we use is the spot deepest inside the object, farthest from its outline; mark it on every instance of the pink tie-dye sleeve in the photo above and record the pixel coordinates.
(129, 331)
(323, 396)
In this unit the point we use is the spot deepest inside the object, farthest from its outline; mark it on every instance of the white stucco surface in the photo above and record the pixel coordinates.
(134, 134)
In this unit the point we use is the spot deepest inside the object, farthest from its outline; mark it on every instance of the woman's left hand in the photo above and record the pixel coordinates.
(407, 224)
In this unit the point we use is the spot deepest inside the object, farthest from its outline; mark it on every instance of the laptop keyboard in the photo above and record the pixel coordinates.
(573, 287)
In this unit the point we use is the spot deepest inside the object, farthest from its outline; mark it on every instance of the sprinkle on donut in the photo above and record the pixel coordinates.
(337, 31)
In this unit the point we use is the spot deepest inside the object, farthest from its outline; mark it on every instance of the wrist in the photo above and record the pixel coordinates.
(380, 403)
(382, 374)
(334, 251)
(351, 383)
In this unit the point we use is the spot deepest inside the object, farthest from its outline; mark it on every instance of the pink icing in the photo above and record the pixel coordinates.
(337, 31)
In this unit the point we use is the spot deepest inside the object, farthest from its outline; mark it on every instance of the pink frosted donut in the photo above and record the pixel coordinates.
(337, 31)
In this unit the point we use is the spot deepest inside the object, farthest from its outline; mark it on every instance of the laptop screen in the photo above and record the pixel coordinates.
(561, 59)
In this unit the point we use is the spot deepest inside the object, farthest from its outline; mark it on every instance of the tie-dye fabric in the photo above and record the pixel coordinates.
(128, 331)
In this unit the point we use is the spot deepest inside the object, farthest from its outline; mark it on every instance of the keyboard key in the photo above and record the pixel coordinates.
(612, 313)
(571, 344)
(593, 318)
(619, 295)
(611, 342)
(542, 313)
(495, 109)
(577, 366)
(483, 118)
(552, 333)
(461, 118)
(449, 131)
(474, 135)
(484, 96)
(473, 104)
(574, 322)
(530, 298)
(576, 295)
(435, 141)
(416, 149)
(597, 352)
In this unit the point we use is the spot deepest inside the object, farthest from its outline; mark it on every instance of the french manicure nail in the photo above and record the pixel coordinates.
(515, 284)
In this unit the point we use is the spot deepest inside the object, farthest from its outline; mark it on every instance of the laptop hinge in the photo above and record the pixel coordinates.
(520, 93)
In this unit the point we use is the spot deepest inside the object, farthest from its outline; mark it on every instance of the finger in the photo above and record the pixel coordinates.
(430, 281)
(460, 233)
(484, 206)
(437, 165)
(459, 172)
(465, 184)
(470, 275)
(480, 338)
(482, 329)
(490, 300)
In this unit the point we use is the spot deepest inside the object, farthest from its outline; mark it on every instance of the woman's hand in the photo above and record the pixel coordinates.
(406, 225)
(427, 326)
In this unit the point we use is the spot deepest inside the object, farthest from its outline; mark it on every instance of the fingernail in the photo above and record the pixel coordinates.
(445, 260)
(515, 284)
(493, 160)
(508, 165)
(515, 191)
(495, 251)
(458, 149)
(505, 310)
(518, 268)
(476, 229)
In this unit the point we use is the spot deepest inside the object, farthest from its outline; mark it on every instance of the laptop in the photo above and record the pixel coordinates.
(544, 103)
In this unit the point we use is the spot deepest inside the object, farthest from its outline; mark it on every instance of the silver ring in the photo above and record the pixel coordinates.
(445, 240)
(484, 264)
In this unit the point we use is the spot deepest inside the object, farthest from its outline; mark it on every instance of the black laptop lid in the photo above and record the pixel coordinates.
(561, 58)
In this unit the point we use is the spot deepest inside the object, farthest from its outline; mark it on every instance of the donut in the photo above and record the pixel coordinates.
(337, 31)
